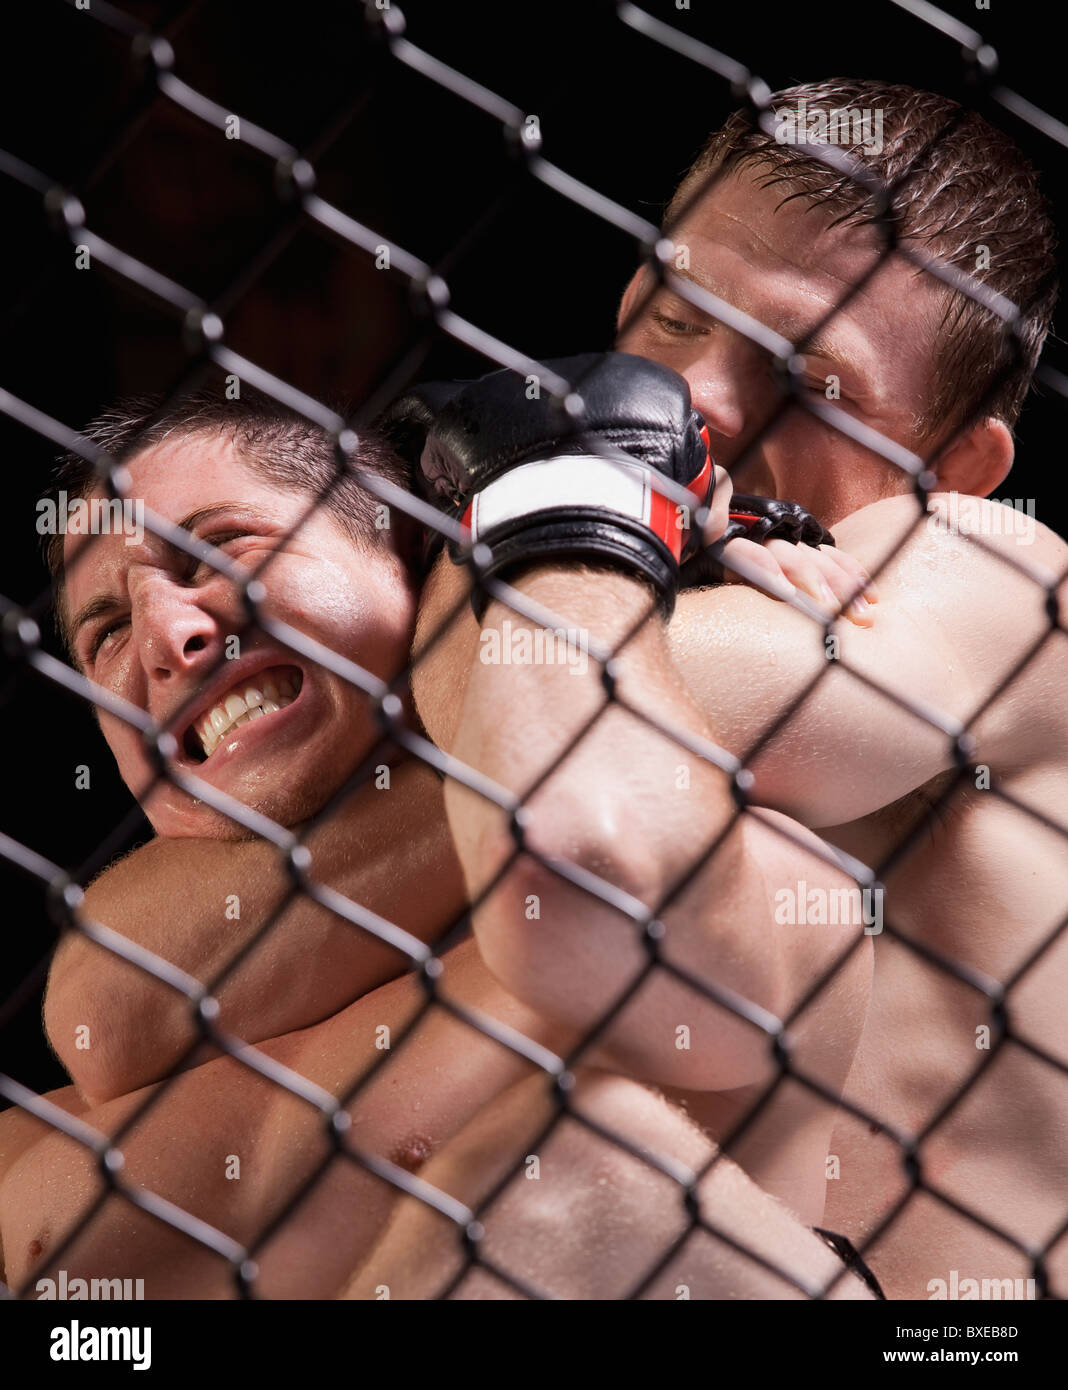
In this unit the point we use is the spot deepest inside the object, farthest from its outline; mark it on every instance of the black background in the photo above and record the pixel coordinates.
(423, 169)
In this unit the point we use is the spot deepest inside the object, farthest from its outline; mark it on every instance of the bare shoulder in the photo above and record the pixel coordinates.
(979, 573)
(978, 532)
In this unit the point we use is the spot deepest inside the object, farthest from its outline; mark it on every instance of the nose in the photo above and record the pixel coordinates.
(177, 639)
(729, 384)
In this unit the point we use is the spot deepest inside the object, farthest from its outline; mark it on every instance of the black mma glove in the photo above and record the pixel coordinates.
(538, 487)
(757, 519)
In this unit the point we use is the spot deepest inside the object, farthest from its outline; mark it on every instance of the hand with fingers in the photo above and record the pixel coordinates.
(838, 584)
(782, 549)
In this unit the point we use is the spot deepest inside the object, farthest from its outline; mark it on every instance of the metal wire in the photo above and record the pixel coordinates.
(202, 326)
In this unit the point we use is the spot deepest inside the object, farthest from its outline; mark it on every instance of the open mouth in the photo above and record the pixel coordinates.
(258, 697)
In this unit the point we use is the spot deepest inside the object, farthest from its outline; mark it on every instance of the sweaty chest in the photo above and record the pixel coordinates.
(256, 1158)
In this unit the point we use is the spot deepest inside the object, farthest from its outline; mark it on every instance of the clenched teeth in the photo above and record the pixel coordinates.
(264, 695)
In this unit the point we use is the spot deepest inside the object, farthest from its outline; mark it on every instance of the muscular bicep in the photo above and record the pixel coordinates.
(836, 723)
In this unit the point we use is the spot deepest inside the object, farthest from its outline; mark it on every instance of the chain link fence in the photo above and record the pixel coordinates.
(201, 326)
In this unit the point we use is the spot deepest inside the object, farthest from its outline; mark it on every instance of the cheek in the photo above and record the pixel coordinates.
(801, 446)
(129, 752)
(362, 616)
(123, 677)
(822, 469)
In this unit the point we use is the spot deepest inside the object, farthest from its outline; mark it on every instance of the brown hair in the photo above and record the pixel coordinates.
(955, 184)
(276, 442)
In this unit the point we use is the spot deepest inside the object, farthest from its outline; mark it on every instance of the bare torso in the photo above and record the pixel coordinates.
(185, 1146)
(984, 885)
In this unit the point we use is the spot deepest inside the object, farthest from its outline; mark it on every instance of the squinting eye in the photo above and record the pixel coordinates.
(205, 568)
(101, 636)
(821, 388)
(817, 385)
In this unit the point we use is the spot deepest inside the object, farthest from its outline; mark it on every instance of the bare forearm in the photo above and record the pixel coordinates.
(545, 730)
(830, 747)
(634, 808)
(954, 623)
(638, 810)
(199, 903)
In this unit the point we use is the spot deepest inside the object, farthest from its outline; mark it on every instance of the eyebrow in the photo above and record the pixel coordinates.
(793, 327)
(103, 604)
(95, 608)
(195, 520)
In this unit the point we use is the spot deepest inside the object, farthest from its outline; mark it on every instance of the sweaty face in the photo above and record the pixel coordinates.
(252, 718)
(788, 268)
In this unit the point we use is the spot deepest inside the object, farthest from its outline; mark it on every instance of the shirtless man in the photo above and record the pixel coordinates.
(744, 655)
(979, 879)
(233, 1148)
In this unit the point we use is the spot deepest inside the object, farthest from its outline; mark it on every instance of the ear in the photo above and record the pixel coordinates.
(637, 288)
(978, 460)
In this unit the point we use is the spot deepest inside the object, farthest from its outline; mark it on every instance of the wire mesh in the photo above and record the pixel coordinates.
(201, 325)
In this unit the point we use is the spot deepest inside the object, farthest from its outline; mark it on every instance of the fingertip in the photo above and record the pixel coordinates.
(859, 611)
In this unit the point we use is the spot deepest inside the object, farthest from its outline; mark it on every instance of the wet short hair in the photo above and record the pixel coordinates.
(959, 184)
(278, 443)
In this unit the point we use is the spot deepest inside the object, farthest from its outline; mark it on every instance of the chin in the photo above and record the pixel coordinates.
(175, 814)
(264, 735)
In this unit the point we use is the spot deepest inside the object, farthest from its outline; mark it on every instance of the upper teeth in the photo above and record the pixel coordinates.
(243, 703)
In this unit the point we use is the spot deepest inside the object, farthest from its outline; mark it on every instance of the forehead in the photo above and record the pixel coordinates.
(176, 478)
(785, 264)
(185, 473)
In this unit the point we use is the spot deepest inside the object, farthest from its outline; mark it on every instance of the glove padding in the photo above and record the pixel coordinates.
(757, 519)
(529, 482)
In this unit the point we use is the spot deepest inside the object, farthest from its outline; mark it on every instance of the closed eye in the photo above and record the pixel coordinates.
(220, 540)
(232, 533)
(676, 326)
(103, 633)
(820, 384)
